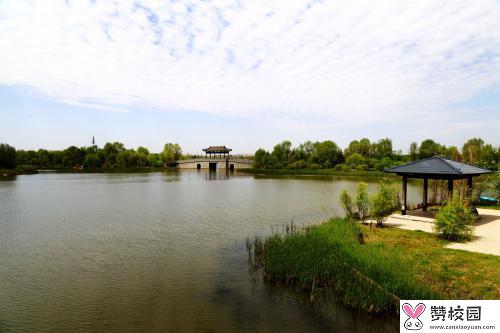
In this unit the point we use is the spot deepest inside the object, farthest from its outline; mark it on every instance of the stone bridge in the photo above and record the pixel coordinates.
(228, 163)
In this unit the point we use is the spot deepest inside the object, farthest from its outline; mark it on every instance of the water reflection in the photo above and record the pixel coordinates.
(217, 174)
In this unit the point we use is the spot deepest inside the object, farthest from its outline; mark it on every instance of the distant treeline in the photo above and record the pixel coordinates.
(364, 155)
(361, 155)
(112, 155)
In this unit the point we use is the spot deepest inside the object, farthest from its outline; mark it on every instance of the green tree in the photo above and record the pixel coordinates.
(413, 151)
(353, 148)
(453, 154)
(91, 161)
(43, 158)
(356, 161)
(7, 156)
(306, 151)
(282, 151)
(155, 160)
(383, 148)
(143, 150)
(72, 156)
(489, 157)
(429, 148)
(111, 151)
(142, 156)
(26, 157)
(262, 158)
(365, 147)
(127, 159)
(362, 202)
(471, 150)
(347, 204)
(171, 153)
(383, 204)
(328, 154)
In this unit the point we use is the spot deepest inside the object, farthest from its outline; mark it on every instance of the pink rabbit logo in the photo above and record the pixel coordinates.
(413, 323)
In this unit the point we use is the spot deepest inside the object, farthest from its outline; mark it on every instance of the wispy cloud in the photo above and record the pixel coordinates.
(330, 60)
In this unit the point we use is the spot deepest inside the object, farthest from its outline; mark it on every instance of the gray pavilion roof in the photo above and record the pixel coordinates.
(217, 149)
(437, 166)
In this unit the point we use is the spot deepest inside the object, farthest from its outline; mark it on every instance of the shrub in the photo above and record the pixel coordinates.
(345, 168)
(362, 202)
(383, 204)
(454, 221)
(347, 204)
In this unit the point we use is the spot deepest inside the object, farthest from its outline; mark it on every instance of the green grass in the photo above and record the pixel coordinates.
(495, 207)
(393, 264)
(314, 172)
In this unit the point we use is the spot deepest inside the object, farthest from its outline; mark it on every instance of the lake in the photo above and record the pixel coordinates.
(159, 252)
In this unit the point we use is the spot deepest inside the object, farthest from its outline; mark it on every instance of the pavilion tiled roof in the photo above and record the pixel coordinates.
(437, 166)
(217, 149)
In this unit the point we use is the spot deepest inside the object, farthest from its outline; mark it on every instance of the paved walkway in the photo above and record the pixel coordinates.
(487, 230)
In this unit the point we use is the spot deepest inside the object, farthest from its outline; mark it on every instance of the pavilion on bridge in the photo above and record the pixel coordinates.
(217, 151)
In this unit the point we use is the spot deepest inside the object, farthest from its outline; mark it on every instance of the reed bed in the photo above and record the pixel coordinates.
(368, 273)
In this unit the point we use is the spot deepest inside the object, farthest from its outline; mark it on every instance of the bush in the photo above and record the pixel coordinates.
(7, 156)
(347, 204)
(300, 164)
(383, 204)
(454, 221)
(362, 202)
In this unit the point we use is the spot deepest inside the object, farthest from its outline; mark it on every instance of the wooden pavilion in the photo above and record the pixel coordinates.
(213, 151)
(435, 168)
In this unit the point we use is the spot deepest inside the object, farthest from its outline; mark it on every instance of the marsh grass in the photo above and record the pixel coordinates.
(393, 264)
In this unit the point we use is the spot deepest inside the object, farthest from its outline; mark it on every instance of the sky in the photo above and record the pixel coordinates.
(247, 74)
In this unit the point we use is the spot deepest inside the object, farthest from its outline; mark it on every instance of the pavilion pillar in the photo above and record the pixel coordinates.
(469, 186)
(424, 202)
(450, 188)
(405, 183)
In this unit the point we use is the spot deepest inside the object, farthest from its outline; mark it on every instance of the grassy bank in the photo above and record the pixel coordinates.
(117, 170)
(17, 171)
(34, 170)
(315, 172)
(393, 264)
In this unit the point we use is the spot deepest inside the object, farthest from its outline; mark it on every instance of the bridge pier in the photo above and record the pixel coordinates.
(230, 164)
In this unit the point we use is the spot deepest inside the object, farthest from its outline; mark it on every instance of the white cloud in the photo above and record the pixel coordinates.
(334, 60)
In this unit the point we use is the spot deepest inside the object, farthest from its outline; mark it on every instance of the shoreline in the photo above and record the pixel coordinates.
(315, 172)
(17, 172)
(32, 171)
(383, 269)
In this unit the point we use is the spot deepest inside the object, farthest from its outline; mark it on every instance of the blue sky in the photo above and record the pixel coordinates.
(247, 74)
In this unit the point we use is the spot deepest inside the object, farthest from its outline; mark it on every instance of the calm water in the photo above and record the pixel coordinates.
(160, 252)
